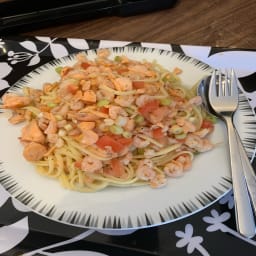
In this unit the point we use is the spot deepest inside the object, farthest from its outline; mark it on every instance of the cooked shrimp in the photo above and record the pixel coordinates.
(123, 84)
(124, 101)
(74, 132)
(197, 100)
(89, 137)
(115, 111)
(140, 143)
(12, 101)
(104, 95)
(76, 75)
(145, 170)
(90, 164)
(174, 169)
(140, 100)
(158, 181)
(186, 125)
(130, 125)
(31, 132)
(34, 151)
(158, 115)
(186, 161)
(82, 116)
(127, 158)
(202, 133)
(52, 138)
(52, 127)
(18, 116)
(77, 105)
(89, 96)
(61, 110)
(42, 123)
(85, 126)
(86, 84)
(103, 53)
(197, 143)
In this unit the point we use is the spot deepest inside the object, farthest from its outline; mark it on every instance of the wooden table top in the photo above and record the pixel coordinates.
(218, 23)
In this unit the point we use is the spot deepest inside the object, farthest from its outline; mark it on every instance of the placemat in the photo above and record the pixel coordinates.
(209, 232)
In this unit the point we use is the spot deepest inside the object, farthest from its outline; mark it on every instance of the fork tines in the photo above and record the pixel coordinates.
(225, 82)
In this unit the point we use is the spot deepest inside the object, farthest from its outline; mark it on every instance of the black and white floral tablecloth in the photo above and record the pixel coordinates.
(209, 232)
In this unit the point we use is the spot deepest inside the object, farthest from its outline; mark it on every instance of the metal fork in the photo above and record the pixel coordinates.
(223, 98)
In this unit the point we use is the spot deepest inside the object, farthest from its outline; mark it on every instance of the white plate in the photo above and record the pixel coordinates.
(118, 208)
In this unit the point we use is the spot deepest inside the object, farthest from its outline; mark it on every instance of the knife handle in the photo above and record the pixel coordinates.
(243, 208)
(249, 173)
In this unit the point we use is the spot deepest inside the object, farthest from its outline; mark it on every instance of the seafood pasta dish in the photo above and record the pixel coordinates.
(111, 122)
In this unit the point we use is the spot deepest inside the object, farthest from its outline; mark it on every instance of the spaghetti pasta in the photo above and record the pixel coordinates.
(111, 122)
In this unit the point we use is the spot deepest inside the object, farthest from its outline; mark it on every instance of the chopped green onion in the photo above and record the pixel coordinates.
(115, 129)
(180, 136)
(165, 101)
(102, 103)
(140, 151)
(62, 132)
(51, 105)
(68, 127)
(211, 118)
(139, 119)
(118, 58)
(175, 129)
(59, 117)
(127, 134)
(129, 110)
(58, 69)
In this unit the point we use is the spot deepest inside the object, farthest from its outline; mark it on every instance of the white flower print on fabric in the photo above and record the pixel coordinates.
(5, 70)
(244, 60)
(228, 199)
(80, 44)
(109, 44)
(192, 242)
(33, 56)
(12, 235)
(20, 206)
(4, 195)
(216, 222)
(42, 251)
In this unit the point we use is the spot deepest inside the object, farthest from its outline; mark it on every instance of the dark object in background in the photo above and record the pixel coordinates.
(22, 15)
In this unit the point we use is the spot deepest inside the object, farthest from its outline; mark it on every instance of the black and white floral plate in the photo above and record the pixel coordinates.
(119, 208)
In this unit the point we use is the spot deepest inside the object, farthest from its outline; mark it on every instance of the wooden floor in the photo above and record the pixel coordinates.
(224, 23)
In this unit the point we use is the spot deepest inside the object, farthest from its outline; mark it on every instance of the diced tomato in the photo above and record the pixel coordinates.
(149, 107)
(207, 124)
(177, 71)
(104, 110)
(122, 70)
(157, 133)
(78, 164)
(72, 88)
(107, 140)
(125, 141)
(117, 168)
(85, 65)
(138, 84)
(117, 143)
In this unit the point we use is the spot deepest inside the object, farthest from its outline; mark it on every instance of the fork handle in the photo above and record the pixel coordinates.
(243, 210)
(250, 175)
